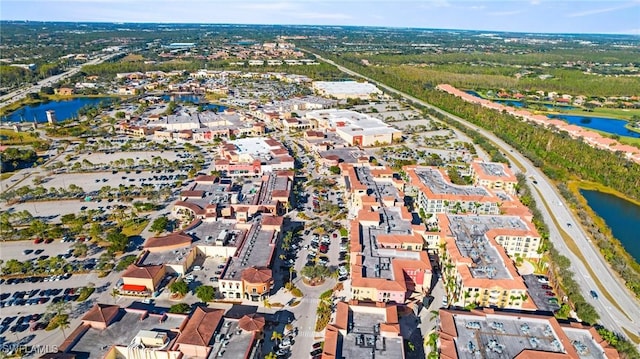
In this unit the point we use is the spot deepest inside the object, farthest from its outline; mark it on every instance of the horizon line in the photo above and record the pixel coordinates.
(317, 25)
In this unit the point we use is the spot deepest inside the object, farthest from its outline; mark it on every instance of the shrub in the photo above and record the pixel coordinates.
(296, 292)
(85, 292)
(180, 308)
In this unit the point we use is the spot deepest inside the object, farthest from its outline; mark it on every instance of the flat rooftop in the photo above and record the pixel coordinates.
(434, 180)
(211, 230)
(364, 340)
(176, 256)
(469, 233)
(255, 251)
(346, 87)
(347, 155)
(499, 336)
(256, 146)
(379, 189)
(232, 340)
(377, 261)
(95, 343)
(493, 169)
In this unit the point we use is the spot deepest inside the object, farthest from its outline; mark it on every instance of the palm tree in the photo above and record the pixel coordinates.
(114, 294)
(63, 323)
(271, 355)
(275, 336)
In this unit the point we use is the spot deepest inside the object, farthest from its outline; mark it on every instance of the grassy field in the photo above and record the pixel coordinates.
(135, 228)
(10, 137)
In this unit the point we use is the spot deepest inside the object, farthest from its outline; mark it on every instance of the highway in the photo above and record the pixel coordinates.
(610, 316)
(19, 94)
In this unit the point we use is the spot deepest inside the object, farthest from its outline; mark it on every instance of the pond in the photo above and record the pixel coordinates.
(622, 216)
(64, 109)
(604, 124)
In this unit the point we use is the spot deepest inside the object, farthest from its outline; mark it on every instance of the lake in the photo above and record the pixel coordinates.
(604, 124)
(65, 109)
(623, 217)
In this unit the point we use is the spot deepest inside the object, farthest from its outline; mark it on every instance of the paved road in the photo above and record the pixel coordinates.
(21, 93)
(611, 317)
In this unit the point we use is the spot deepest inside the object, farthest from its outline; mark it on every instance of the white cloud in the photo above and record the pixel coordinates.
(604, 10)
(535, 2)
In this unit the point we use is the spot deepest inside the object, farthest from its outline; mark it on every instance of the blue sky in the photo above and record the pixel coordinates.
(575, 16)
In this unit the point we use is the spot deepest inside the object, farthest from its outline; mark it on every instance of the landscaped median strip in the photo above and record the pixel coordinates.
(573, 247)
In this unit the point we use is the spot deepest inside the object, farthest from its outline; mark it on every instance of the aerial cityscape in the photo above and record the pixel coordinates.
(326, 180)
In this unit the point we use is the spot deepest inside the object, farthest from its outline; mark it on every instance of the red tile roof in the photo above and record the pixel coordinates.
(201, 327)
(170, 240)
(146, 272)
(102, 313)
(257, 275)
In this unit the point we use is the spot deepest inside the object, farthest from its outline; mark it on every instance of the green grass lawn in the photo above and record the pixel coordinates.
(135, 229)
(10, 137)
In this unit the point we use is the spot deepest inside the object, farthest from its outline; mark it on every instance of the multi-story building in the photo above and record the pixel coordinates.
(363, 331)
(476, 270)
(355, 128)
(436, 194)
(496, 334)
(495, 176)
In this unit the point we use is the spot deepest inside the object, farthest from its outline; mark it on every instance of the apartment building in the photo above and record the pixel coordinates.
(493, 175)
(436, 194)
(476, 270)
(494, 334)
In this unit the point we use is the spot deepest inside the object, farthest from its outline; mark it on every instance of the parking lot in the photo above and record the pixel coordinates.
(541, 292)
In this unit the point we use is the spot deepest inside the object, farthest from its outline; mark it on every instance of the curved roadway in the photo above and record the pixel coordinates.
(610, 316)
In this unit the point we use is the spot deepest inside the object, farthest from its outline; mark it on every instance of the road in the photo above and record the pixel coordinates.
(19, 94)
(610, 316)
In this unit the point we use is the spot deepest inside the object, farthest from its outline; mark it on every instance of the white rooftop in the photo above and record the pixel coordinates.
(346, 87)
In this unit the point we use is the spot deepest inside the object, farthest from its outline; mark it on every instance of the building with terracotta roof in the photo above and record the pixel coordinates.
(141, 280)
(493, 175)
(133, 333)
(362, 331)
(388, 263)
(196, 338)
(495, 334)
(476, 269)
(253, 157)
(100, 316)
(436, 193)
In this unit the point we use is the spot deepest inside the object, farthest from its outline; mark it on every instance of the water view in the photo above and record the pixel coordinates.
(65, 109)
(604, 124)
(195, 99)
(623, 217)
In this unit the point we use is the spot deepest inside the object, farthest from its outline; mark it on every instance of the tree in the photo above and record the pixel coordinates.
(179, 287)
(80, 249)
(118, 241)
(276, 336)
(335, 170)
(180, 308)
(205, 293)
(159, 225)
